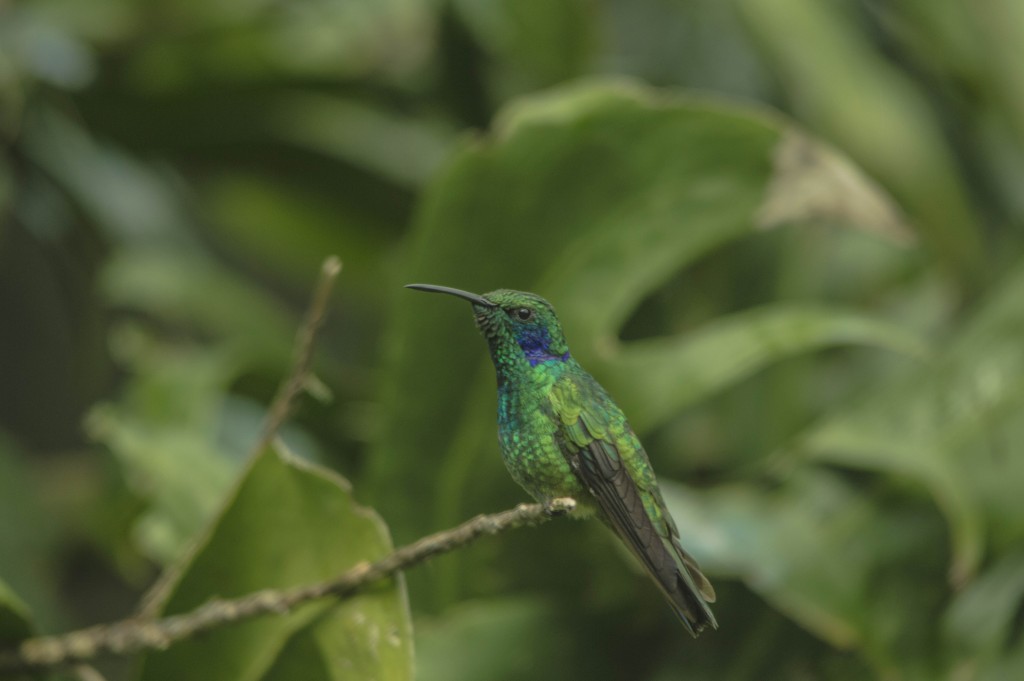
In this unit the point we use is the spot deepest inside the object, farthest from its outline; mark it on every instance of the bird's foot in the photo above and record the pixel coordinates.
(559, 506)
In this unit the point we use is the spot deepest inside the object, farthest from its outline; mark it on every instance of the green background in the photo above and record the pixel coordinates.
(785, 234)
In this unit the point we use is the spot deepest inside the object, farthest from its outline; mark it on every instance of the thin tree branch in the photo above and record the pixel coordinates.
(135, 635)
(284, 402)
(278, 412)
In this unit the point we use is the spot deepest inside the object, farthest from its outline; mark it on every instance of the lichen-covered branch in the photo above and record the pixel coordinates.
(135, 635)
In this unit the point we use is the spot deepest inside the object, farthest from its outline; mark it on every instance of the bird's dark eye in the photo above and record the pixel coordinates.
(524, 314)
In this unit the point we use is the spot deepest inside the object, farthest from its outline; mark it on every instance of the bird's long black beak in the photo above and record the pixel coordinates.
(458, 293)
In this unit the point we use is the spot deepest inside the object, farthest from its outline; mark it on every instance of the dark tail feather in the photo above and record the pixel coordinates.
(673, 570)
(691, 595)
(681, 582)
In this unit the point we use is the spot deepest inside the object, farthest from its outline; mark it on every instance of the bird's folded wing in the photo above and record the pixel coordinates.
(589, 443)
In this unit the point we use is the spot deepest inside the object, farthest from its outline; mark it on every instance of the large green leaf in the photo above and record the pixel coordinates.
(894, 133)
(980, 623)
(815, 547)
(774, 540)
(658, 377)
(595, 195)
(290, 523)
(492, 639)
(950, 426)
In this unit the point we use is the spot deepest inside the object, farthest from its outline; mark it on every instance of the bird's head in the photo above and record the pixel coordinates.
(519, 326)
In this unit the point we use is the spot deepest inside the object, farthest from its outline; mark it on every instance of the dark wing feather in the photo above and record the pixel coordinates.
(600, 467)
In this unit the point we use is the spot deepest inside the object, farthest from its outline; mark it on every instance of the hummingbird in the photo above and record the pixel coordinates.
(562, 435)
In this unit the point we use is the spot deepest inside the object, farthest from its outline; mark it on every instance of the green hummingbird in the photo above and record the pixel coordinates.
(562, 435)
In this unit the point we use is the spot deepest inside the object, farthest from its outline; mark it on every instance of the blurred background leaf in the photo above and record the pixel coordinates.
(941, 426)
(287, 524)
(14, 620)
(490, 638)
(816, 549)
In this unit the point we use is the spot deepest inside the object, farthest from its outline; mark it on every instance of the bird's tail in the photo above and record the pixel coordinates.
(691, 593)
(675, 572)
(657, 548)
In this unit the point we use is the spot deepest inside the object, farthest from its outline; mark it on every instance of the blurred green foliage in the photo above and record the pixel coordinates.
(786, 235)
(288, 524)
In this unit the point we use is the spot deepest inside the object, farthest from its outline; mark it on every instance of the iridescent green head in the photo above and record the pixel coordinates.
(518, 326)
